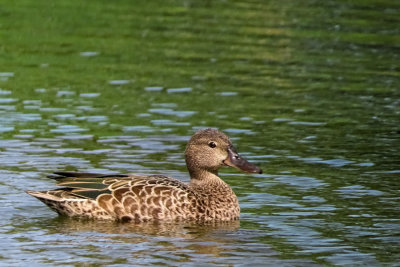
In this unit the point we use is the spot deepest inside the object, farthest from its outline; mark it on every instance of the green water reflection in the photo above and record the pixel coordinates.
(309, 91)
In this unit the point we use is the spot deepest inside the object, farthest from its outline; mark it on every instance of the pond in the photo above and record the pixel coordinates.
(309, 91)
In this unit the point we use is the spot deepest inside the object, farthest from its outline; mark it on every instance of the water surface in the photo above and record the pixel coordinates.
(309, 91)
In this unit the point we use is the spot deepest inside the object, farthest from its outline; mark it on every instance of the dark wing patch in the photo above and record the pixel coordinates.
(84, 185)
(87, 185)
(89, 194)
(61, 175)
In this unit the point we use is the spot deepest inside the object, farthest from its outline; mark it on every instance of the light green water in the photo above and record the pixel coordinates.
(309, 91)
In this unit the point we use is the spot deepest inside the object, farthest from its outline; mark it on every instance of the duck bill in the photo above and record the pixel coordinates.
(236, 161)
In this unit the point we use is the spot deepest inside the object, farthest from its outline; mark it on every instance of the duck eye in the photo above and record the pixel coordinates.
(212, 144)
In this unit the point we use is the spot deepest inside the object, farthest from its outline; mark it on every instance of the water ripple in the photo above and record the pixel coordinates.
(179, 90)
(8, 100)
(357, 191)
(167, 111)
(301, 182)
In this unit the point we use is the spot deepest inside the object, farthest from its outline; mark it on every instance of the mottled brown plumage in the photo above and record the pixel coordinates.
(140, 198)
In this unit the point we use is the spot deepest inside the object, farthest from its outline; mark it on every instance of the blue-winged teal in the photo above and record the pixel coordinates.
(140, 198)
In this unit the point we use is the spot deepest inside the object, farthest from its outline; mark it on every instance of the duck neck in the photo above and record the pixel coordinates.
(207, 179)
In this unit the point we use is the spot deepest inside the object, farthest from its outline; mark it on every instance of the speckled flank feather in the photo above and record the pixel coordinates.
(142, 198)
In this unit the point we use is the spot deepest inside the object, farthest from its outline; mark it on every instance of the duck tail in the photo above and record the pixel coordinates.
(53, 201)
(43, 196)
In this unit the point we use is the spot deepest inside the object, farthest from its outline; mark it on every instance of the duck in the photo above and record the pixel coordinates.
(146, 198)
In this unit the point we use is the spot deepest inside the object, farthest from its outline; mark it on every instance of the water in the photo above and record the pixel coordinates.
(309, 91)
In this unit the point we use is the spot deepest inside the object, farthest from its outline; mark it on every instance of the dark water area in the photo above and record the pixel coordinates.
(309, 91)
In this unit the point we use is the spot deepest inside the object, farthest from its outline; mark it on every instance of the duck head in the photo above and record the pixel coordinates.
(210, 149)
